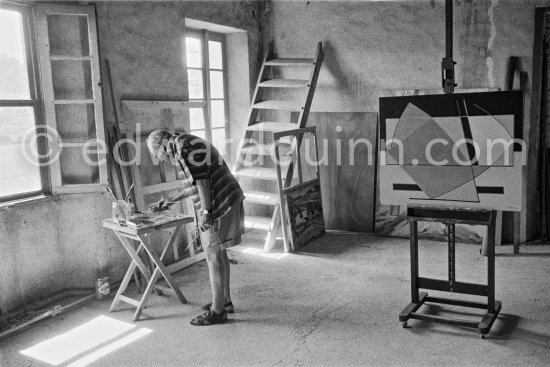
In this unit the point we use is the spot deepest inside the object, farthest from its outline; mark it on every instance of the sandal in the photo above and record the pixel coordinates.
(209, 318)
(229, 308)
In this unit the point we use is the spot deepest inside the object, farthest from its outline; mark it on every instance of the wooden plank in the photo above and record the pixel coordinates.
(532, 210)
(262, 173)
(491, 266)
(272, 126)
(294, 132)
(458, 287)
(257, 222)
(261, 197)
(412, 307)
(172, 105)
(129, 300)
(184, 263)
(444, 320)
(348, 188)
(165, 186)
(413, 241)
(285, 83)
(456, 302)
(489, 318)
(276, 104)
(290, 62)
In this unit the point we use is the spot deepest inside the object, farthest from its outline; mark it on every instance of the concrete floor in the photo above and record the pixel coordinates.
(335, 303)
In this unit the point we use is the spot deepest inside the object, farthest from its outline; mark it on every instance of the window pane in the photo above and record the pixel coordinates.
(196, 117)
(79, 165)
(193, 52)
(18, 151)
(195, 84)
(14, 77)
(216, 84)
(64, 43)
(218, 113)
(218, 140)
(215, 55)
(199, 133)
(72, 79)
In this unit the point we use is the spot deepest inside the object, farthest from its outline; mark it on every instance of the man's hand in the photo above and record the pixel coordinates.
(163, 205)
(205, 221)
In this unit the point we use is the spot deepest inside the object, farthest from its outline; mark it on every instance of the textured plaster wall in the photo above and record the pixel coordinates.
(375, 46)
(372, 47)
(55, 244)
(52, 245)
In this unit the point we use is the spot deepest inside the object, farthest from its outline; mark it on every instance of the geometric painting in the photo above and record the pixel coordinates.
(452, 150)
(305, 213)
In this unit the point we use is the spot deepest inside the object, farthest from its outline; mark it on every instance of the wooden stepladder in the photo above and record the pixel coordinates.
(270, 115)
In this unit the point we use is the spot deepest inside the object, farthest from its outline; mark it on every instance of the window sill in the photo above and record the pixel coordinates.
(28, 201)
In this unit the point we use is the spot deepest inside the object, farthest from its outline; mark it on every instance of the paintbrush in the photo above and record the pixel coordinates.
(110, 192)
(129, 190)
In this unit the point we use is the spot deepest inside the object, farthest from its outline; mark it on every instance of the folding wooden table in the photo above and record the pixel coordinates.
(450, 217)
(171, 222)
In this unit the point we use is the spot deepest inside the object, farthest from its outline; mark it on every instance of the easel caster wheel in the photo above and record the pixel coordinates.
(482, 336)
(404, 324)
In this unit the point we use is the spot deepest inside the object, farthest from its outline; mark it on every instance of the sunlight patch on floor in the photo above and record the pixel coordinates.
(83, 338)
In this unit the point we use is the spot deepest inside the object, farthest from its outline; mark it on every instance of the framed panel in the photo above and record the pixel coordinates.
(69, 63)
(454, 150)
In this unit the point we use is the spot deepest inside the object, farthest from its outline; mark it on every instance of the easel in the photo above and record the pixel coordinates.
(450, 217)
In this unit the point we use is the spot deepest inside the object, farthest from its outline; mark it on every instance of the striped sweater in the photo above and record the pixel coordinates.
(200, 160)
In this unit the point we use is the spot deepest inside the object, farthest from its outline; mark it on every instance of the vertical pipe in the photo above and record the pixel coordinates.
(449, 28)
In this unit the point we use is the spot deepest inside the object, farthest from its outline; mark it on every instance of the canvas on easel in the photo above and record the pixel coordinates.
(486, 173)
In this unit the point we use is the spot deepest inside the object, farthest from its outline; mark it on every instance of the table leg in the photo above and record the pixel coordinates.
(162, 268)
(146, 293)
(123, 285)
(134, 254)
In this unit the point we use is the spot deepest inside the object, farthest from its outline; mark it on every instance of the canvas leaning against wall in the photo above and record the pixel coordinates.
(453, 150)
(305, 213)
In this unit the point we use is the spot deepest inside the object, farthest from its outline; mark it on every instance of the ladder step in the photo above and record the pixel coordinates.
(273, 127)
(255, 222)
(261, 173)
(267, 149)
(290, 62)
(275, 104)
(258, 149)
(285, 83)
(260, 197)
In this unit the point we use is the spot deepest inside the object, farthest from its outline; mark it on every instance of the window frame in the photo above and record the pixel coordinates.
(205, 36)
(42, 11)
(35, 101)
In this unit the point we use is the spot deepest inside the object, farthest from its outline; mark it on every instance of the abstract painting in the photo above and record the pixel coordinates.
(305, 213)
(450, 150)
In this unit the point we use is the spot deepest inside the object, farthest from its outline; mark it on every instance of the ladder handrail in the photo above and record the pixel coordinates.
(305, 112)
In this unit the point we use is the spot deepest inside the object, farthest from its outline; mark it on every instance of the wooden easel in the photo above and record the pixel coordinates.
(450, 217)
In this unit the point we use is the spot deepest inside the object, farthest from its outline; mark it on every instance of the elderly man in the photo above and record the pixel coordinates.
(218, 198)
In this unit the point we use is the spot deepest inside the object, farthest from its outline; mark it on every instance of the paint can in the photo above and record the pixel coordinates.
(102, 288)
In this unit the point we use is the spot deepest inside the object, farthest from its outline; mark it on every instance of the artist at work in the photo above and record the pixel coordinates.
(218, 198)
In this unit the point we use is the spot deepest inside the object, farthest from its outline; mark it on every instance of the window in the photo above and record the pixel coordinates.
(21, 174)
(205, 57)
